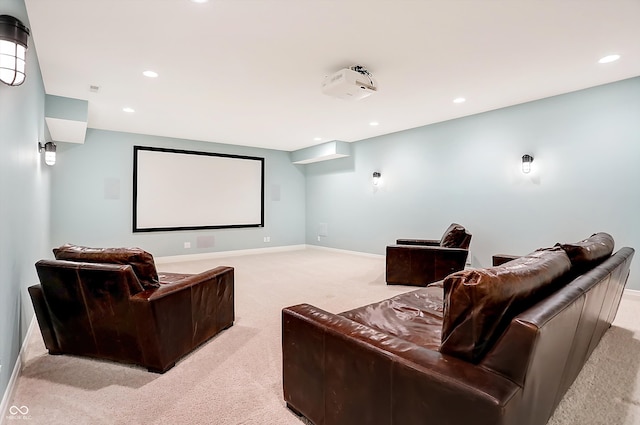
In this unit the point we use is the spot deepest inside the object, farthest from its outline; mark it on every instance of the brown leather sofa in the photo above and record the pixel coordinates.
(495, 346)
(419, 262)
(112, 304)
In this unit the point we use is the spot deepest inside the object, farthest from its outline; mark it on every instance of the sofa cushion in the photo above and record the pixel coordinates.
(414, 316)
(480, 303)
(454, 236)
(589, 252)
(140, 261)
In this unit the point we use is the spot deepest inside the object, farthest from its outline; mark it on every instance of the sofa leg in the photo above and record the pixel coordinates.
(156, 370)
(293, 410)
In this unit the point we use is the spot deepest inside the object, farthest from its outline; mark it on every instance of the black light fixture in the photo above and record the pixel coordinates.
(13, 50)
(49, 149)
(376, 178)
(526, 163)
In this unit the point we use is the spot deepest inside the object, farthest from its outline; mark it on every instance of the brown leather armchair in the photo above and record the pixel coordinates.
(111, 304)
(418, 262)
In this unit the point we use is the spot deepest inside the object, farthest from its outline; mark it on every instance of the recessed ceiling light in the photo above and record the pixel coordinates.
(609, 58)
(459, 100)
(129, 110)
(317, 139)
(374, 123)
(150, 74)
(199, 1)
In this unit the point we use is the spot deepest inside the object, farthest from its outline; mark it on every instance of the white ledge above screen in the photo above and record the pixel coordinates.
(321, 152)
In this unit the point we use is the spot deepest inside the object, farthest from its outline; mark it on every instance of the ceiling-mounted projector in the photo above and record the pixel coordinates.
(349, 83)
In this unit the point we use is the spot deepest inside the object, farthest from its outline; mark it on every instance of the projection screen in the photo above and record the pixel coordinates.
(188, 190)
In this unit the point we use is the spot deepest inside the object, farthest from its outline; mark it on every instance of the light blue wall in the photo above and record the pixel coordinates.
(24, 200)
(85, 212)
(585, 174)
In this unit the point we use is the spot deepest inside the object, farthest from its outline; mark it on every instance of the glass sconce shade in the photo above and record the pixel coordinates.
(526, 163)
(13, 50)
(376, 178)
(49, 152)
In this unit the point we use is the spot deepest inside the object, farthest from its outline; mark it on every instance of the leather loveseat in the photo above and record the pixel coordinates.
(110, 303)
(494, 346)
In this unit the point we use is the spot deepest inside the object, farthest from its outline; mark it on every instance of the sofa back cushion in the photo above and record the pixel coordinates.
(480, 303)
(140, 261)
(455, 236)
(589, 252)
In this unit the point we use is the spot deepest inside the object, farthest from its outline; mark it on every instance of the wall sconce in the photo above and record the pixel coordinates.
(49, 152)
(13, 50)
(376, 178)
(526, 163)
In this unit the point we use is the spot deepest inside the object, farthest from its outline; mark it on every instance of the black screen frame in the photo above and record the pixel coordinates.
(138, 229)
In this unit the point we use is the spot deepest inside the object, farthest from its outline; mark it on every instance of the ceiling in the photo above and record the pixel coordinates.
(249, 72)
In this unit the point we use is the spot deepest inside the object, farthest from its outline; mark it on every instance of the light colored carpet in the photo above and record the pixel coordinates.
(236, 378)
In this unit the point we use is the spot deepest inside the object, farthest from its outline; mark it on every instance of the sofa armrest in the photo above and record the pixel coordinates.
(500, 259)
(423, 242)
(420, 265)
(339, 371)
(177, 317)
(178, 284)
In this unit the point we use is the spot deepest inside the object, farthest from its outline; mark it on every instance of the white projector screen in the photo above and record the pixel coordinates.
(188, 190)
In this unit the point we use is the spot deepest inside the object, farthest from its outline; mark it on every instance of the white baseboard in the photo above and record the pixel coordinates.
(220, 254)
(631, 294)
(210, 255)
(11, 387)
(346, 251)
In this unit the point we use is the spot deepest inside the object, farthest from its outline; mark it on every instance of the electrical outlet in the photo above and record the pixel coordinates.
(318, 238)
(187, 245)
(267, 239)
